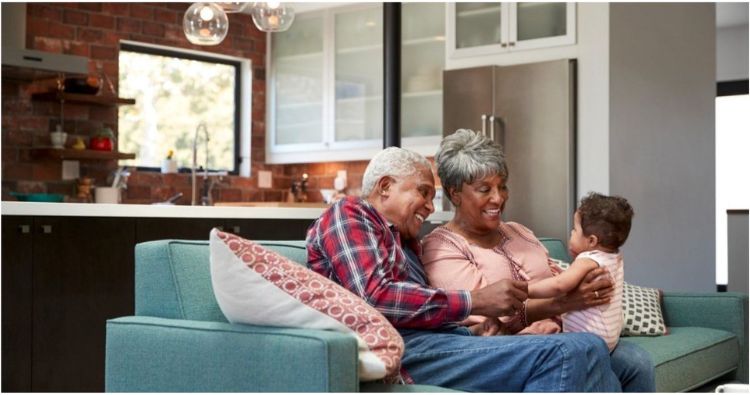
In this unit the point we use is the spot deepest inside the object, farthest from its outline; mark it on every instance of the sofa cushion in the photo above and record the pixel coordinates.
(254, 285)
(173, 279)
(689, 356)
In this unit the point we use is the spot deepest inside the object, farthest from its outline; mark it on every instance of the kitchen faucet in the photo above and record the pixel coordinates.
(204, 199)
(208, 183)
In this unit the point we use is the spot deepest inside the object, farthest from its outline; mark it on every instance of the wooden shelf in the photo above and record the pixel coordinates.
(82, 98)
(86, 154)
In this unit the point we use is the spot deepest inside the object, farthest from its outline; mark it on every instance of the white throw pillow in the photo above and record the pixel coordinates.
(257, 286)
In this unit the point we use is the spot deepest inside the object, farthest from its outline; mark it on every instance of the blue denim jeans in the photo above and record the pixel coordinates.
(568, 362)
(634, 367)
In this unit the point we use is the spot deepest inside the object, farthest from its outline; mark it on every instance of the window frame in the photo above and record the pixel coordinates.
(149, 49)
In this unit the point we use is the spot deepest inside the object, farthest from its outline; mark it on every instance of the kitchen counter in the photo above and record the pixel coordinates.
(169, 211)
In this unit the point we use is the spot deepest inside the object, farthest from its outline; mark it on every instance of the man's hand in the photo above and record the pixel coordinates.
(502, 298)
(596, 289)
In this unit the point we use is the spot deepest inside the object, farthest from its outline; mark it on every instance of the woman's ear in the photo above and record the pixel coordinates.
(454, 196)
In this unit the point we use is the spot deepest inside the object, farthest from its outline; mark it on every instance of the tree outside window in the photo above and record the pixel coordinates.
(175, 92)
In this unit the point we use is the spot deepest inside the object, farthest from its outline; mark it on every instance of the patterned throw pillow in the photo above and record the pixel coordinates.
(257, 286)
(641, 309)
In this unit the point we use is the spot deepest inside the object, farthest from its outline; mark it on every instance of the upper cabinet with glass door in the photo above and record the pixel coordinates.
(358, 77)
(296, 119)
(422, 64)
(475, 29)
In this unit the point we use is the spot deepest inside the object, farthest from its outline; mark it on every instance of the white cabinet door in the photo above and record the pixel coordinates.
(541, 25)
(422, 64)
(478, 29)
(296, 105)
(325, 87)
(358, 77)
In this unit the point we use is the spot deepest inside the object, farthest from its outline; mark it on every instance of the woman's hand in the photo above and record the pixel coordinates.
(491, 326)
(596, 289)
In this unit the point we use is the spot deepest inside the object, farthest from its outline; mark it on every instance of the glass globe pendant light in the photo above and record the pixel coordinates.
(231, 7)
(272, 16)
(205, 24)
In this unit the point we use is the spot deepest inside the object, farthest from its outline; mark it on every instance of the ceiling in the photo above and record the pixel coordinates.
(727, 14)
(731, 14)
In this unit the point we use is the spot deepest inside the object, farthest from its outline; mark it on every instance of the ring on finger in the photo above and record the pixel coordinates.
(596, 293)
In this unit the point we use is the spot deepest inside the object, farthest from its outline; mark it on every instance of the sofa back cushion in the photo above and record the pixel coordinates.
(173, 278)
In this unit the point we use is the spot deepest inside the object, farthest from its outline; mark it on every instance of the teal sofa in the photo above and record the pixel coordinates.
(179, 341)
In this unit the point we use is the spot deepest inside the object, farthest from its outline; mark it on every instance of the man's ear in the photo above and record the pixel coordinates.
(384, 185)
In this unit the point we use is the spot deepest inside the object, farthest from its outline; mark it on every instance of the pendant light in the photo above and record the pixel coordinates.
(205, 24)
(272, 16)
(231, 7)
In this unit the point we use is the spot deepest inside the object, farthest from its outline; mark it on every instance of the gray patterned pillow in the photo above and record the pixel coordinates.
(641, 309)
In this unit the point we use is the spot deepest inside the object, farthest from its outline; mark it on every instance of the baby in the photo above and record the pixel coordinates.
(601, 226)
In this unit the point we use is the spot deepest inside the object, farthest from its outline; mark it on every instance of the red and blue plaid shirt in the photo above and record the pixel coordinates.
(353, 245)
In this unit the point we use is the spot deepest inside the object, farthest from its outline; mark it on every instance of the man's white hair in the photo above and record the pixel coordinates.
(392, 161)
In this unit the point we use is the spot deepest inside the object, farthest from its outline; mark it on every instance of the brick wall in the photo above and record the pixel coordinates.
(94, 30)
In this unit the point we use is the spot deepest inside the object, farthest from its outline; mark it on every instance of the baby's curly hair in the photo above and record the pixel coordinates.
(606, 217)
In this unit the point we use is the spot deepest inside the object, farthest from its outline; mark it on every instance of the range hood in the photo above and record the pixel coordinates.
(21, 63)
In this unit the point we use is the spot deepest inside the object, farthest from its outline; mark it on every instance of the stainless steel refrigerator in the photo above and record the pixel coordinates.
(530, 110)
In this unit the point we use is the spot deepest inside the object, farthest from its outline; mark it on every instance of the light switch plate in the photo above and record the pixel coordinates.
(71, 169)
(264, 179)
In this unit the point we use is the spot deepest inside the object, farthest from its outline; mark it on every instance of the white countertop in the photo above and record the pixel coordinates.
(168, 211)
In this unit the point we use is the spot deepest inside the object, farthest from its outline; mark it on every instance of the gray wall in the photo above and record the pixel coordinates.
(737, 250)
(731, 53)
(662, 88)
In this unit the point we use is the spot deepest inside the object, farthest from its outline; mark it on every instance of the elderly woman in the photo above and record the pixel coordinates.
(477, 248)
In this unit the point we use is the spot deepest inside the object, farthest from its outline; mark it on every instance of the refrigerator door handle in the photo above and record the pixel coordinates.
(492, 127)
(484, 124)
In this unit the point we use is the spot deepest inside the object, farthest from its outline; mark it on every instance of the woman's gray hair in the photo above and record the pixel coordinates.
(466, 156)
(392, 161)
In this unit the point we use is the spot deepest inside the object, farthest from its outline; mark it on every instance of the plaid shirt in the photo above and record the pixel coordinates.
(353, 245)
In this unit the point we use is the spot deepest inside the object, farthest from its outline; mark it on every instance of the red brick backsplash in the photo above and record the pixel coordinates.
(94, 30)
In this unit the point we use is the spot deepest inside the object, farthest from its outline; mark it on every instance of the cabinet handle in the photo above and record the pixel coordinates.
(46, 229)
(24, 229)
(236, 229)
(503, 45)
(492, 127)
(512, 44)
(484, 124)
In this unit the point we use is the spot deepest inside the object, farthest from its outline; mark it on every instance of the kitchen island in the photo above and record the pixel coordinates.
(69, 267)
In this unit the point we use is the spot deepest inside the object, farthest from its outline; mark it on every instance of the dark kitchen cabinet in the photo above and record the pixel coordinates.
(83, 276)
(16, 306)
(64, 277)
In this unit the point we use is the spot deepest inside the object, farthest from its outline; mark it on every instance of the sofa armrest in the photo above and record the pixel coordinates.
(717, 310)
(149, 354)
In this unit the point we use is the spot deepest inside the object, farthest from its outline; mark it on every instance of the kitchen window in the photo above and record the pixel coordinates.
(175, 91)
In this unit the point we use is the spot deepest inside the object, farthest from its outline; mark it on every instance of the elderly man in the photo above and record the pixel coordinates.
(369, 245)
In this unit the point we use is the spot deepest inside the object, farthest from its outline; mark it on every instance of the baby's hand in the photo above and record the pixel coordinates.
(546, 327)
(491, 326)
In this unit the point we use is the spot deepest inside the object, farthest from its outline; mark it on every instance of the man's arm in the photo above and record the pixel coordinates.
(355, 242)
(564, 282)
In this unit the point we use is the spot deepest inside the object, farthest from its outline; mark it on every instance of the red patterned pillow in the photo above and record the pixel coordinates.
(257, 286)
